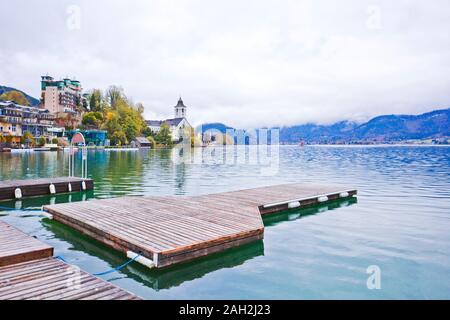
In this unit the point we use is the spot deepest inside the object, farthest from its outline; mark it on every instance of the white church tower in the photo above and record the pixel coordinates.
(180, 109)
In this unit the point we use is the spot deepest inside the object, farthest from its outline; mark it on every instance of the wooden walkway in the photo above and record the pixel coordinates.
(17, 247)
(174, 229)
(28, 271)
(52, 279)
(41, 187)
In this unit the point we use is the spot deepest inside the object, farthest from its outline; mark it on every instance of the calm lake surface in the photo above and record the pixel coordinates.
(399, 222)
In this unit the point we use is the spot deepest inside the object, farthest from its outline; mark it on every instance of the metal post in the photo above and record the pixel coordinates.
(73, 161)
(86, 164)
(70, 161)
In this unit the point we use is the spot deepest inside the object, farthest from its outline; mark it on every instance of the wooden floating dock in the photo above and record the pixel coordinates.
(17, 247)
(41, 187)
(174, 229)
(28, 272)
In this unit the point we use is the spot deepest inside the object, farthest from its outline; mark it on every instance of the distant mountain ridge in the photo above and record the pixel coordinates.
(33, 101)
(385, 128)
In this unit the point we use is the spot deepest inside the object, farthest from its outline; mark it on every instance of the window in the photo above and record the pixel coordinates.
(13, 128)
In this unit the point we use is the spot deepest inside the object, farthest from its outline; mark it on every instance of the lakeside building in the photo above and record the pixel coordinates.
(17, 119)
(63, 98)
(177, 125)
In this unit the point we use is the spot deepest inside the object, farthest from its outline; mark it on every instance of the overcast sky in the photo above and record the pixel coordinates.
(244, 63)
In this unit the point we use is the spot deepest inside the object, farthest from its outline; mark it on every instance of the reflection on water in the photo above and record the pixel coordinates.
(36, 203)
(400, 221)
(176, 275)
(157, 279)
(274, 219)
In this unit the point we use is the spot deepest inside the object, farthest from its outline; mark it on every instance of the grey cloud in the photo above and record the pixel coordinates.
(245, 63)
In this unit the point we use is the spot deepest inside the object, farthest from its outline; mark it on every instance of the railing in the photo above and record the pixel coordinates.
(13, 120)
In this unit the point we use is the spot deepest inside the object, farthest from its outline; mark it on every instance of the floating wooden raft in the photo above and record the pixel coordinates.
(52, 279)
(28, 271)
(170, 230)
(41, 187)
(17, 247)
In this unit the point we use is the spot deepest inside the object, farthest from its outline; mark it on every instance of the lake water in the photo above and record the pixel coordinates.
(400, 221)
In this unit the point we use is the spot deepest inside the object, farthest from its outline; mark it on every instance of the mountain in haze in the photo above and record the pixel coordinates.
(386, 128)
(317, 133)
(33, 101)
(430, 125)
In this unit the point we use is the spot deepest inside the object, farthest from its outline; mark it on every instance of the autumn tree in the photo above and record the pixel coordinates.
(92, 119)
(117, 114)
(15, 96)
(27, 138)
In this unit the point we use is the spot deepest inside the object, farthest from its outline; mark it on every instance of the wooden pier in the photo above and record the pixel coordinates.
(28, 271)
(41, 187)
(174, 229)
(17, 247)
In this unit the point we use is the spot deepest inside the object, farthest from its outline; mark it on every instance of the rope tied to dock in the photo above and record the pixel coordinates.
(109, 271)
(117, 268)
(61, 258)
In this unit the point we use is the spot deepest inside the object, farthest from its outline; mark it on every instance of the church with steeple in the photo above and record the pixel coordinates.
(178, 125)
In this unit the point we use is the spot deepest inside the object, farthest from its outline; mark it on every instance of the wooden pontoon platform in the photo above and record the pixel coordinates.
(41, 187)
(17, 247)
(28, 272)
(169, 230)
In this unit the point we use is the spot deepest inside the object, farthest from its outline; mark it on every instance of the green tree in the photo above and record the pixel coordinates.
(146, 131)
(118, 138)
(96, 100)
(27, 138)
(15, 96)
(94, 119)
(55, 141)
(42, 141)
(164, 136)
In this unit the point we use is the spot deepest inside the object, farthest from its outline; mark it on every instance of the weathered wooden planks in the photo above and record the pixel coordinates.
(28, 271)
(170, 230)
(16, 246)
(40, 187)
(52, 279)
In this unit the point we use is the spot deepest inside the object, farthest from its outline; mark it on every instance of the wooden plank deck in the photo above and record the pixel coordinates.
(28, 271)
(174, 229)
(17, 247)
(40, 187)
(52, 279)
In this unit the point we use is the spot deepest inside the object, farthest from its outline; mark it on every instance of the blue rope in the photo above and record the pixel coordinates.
(14, 209)
(109, 271)
(117, 268)
(61, 258)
